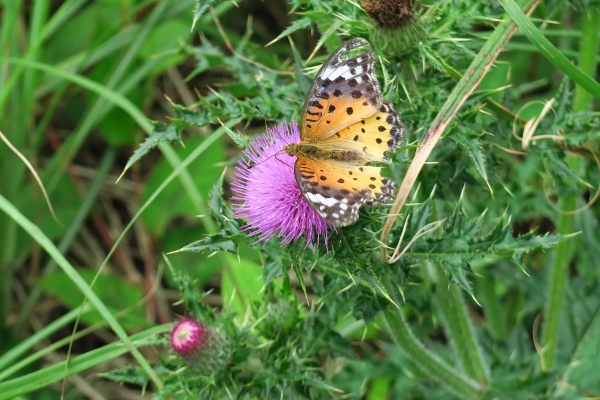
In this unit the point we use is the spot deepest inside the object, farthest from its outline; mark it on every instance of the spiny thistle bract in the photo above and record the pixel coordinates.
(204, 348)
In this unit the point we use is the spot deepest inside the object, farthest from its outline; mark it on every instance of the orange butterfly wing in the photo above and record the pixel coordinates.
(344, 112)
(375, 136)
(343, 93)
(336, 190)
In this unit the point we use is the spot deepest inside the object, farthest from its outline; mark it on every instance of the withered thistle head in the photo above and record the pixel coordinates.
(397, 27)
(390, 14)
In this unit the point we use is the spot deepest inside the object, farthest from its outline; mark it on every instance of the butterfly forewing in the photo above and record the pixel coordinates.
(375, 136)
(343, 93)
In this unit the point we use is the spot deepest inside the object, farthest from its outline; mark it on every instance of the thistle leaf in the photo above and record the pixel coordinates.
(298, 24)
(221, 211)
(199, 10)
(461, 241)
(295, 259)
(217, 242)
(131, 374)
(161, 133)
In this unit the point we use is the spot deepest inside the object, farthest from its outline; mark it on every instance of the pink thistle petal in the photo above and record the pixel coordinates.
(188, 337)
(267, 195)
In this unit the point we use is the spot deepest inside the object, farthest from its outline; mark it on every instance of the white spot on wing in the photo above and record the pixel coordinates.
(333, 72)
(318, 198)
(327, 71)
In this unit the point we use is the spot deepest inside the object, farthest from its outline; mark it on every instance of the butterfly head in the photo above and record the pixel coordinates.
(292, 149)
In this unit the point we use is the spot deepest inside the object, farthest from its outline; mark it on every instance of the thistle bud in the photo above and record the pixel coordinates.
(279, 316)
(396, 27)
(204, 348)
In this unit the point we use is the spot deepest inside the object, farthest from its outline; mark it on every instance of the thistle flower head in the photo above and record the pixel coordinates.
(204, 348)
(188, 337)
(267, 195)
(396, 27)
(390, 13)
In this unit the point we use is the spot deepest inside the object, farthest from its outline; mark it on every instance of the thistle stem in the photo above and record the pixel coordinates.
(560, 265)
(459, 328)
(486, 293)
(463, 386)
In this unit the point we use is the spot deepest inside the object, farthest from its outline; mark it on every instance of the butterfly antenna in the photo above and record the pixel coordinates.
(281, 161)
(268, 158)
(264, 116)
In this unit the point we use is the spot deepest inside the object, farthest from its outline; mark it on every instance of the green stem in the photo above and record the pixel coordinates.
(449, 302)
(463, 89)
(437, 369)
(560, 265)
(486, 293)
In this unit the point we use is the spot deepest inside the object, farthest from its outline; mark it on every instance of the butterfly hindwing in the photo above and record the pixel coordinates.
(337, 190)
(344, 92)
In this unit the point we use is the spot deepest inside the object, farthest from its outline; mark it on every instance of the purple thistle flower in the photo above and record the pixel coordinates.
(188, 337)
(267, 195)
(204, 348)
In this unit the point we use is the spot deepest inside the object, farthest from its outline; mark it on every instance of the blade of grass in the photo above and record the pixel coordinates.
(179, 169)
(10, 18)
(76, 139)
(181, 165)
(47, 244)
(552, 53)
(116, 98)
(55, 345)
(101, 107)
(55, 373)
(465, 86)
(58, 19)
(38, 15)
(19, 350)
(560, 265)
(90, 199)
(127, 106)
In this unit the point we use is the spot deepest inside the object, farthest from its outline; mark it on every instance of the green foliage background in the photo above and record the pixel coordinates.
(496, 295)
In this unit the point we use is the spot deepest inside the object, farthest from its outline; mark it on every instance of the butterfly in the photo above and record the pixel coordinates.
(346, 127)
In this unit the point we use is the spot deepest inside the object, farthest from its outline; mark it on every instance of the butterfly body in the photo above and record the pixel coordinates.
(346, 129)
(311, 151)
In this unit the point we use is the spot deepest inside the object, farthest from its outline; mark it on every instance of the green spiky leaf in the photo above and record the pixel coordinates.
(199, 10)
(298, 24)
(218, 242)
(161, 133)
